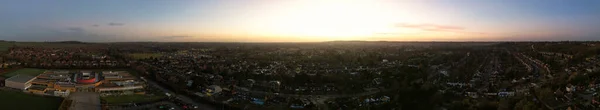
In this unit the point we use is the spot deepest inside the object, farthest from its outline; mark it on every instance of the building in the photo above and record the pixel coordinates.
(214, 89)
(59, 93)
(63, 83)
(120, 90)
(37, 89)
(20, 81)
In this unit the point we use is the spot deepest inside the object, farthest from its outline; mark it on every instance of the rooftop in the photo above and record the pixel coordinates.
(20, 78)
(38, 87)
(38, 80)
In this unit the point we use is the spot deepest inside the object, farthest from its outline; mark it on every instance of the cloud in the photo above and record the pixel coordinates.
(175, 37)
(431, 27)
(76, 29)
(438, 28)
(386, 33)
(115, 24)
(95, 25)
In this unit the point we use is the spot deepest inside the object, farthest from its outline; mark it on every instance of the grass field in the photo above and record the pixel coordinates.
(144, 55)
(26, 71)
(4, 46)
(130, 98)
(51, 44)
(21, 101)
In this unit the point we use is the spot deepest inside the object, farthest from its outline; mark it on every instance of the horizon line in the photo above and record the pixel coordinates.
(301, 41)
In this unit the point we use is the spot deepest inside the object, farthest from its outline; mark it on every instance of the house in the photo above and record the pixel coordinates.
(491, 94)
(214, 89)
(506, 94)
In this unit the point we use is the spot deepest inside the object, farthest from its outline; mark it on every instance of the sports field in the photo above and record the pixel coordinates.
(26, 71)
(10, 100)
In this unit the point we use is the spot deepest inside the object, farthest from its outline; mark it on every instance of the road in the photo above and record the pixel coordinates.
(536, 71)
(177, 96)
(311, 96)
(319, 100)
(146, 107)
(181, 97)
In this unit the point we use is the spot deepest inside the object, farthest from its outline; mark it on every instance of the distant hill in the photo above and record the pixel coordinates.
(71, 42)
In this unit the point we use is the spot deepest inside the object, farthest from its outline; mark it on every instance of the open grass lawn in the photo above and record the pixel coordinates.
(10, 100)
(144, 55)
(131, 98)
(26, 71)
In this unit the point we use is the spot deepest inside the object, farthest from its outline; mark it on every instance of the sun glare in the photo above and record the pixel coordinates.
(333, 20)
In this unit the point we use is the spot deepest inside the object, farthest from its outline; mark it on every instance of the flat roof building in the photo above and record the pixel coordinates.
(19, 81)
(62, 83)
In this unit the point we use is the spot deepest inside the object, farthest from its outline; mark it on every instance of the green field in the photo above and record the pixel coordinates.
(4, 46)
(130, 98)
(144, 55)
(51, 45)
(26, 71)
(21, 101)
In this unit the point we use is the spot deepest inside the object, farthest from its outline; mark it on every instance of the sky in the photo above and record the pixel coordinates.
(299, 20)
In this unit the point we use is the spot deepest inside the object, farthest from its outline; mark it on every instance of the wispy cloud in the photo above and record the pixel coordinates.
(438, 28)
(176, 37)
(115, 24)
(385, 33)
(76, 29)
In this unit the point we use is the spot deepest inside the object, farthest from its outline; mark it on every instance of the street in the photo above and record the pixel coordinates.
(180, 97)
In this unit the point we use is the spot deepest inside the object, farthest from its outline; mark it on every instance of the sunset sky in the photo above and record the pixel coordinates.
(299, 20)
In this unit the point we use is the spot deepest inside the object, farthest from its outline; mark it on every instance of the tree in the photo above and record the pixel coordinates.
(436, 98)
(525, 104)
(486, 104)
(545, 94)
(504, 104)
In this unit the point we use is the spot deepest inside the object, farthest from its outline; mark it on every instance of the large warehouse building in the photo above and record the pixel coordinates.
(20, 81)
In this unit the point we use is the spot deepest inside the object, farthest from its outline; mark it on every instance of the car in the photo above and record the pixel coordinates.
(163, 107)
(160, 106)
